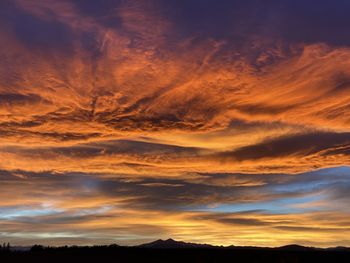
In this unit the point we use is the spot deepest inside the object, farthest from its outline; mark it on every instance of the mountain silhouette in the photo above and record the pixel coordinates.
(295, 247)
(172, 251)
(171, 243)
(339, 248)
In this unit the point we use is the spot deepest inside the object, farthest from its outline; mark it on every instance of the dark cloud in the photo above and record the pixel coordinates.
(305, 21)
(299, 145)
(309, 229)
(38, 34)
(292, 21)
(242, 221)
(12, 99)
(104, 148)
(104, 12)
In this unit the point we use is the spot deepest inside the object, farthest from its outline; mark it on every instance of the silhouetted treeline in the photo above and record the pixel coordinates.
(5, 247)
(115, 253)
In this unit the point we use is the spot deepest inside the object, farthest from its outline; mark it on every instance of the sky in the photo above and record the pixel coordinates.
(222, 122)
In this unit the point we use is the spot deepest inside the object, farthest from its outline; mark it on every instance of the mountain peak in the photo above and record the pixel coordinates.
(171, 243)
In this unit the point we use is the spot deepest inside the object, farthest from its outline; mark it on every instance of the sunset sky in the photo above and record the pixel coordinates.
(209, 121)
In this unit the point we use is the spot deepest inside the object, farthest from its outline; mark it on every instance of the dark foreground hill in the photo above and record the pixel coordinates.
(177, 251)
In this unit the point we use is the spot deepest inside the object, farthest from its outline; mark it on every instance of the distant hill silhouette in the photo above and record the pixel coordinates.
(174, 244)
(294, 247)
(171, 243)
(172, 251)
(339, 248)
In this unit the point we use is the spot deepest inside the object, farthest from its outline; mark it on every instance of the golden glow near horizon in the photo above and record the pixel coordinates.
(117, 127)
